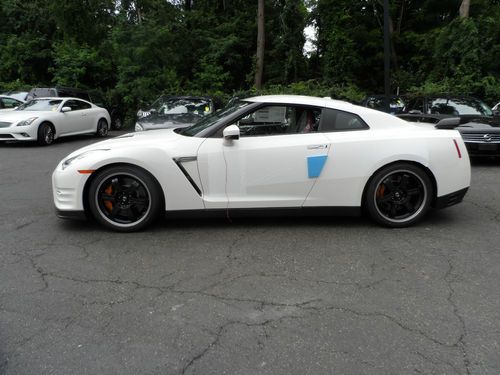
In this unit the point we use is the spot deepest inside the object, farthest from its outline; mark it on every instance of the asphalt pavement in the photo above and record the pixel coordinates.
(251, 296)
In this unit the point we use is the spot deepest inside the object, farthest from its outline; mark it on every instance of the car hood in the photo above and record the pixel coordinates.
(16, 116)
(160, 137)
(479, 126)
(489, 120)
(158, 121)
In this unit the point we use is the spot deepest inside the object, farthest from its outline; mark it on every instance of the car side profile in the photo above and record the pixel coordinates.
(45, 119)
(283, 154)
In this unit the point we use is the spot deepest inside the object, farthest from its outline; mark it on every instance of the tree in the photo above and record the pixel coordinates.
(464, 8)
(259, 65)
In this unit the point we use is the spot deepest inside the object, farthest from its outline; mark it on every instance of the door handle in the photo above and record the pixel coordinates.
(317, 147)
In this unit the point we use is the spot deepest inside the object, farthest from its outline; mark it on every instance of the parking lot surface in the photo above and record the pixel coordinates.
(253, 296)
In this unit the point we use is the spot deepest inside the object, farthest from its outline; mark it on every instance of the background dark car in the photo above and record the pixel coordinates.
(174, 112)
(93, 96)
(396, 104)
(476, 122)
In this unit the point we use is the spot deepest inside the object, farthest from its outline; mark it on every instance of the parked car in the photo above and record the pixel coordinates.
(19, 95)
(476, 122)
(396, 103)
(93, 96)
(45, 119)
(282, 154)
(8, 103)
(496, 108)
(174, 112)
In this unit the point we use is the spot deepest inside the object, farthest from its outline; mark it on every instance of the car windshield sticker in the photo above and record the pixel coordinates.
(315, 165)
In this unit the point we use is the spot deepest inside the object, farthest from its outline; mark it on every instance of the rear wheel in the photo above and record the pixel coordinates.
(102, 128)
(45, 135)
(399, 195)
(124, 198)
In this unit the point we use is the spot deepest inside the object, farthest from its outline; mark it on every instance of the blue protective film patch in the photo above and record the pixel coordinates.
(315, 165)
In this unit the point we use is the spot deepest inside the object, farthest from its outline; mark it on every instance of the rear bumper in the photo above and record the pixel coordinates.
(450, 199)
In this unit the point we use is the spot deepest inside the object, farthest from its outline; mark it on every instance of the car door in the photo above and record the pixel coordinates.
(349, 161)
(72, 122)
(274, 163)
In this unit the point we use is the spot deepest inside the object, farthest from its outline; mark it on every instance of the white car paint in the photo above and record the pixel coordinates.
(271, 171)
(68, 123)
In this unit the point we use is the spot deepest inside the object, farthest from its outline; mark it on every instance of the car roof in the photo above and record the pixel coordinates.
(61, 98)
(311, 100)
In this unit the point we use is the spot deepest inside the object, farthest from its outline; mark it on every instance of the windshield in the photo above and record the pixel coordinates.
(212, 119)
(40, 105)
(459, 106)
(176, 106)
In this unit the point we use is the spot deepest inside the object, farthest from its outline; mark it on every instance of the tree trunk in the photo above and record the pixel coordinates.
(464, 8)
(259, 69)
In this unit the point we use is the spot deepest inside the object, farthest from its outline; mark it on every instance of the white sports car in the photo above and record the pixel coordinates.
(286, 154)
(46, 119)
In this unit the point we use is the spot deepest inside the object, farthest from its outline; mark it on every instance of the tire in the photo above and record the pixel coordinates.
(399, 195)
(45, 134)
(124, 198)
(117, 123)
(102, 128)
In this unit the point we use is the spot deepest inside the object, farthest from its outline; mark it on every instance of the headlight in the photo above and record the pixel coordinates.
(27, 122)
(66, 163)
(138, 127)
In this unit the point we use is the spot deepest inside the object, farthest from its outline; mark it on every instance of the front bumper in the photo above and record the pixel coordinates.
(18, 133)
(71, 215)
(67, 189)
(483, 149)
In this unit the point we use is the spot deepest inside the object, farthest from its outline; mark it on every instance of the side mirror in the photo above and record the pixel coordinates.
(65, 109)
(232, 132)
(496, 113)
(415, 112)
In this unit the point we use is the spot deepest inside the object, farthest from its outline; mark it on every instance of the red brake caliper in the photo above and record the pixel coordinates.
(108, 204)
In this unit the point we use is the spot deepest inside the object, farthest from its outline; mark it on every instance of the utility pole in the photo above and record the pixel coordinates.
(387, 57)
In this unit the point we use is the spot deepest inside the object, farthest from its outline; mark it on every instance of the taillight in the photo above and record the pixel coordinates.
(458, 149)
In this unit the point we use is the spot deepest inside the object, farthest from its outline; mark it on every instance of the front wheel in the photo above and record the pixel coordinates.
(399, 195)
(124, 198)
(45, 135)
(102, 128)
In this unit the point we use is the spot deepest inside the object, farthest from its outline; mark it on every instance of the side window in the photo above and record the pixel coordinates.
(10, 103)
(334, 120)
(279, 119)
(73, 104)
(83, 105)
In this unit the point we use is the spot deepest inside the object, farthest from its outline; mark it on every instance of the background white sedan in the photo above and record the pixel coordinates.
(46, 119)
(8, 103)
(281, 154)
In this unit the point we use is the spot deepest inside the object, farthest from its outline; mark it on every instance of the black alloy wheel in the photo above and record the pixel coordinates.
(124, 198)
(45, 134)
(399, 195)
(102, 128)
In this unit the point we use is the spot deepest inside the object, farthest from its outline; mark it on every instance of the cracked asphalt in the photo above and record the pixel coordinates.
(253, 296)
